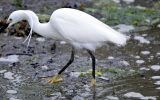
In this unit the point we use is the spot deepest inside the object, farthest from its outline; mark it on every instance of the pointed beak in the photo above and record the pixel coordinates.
(3, 27)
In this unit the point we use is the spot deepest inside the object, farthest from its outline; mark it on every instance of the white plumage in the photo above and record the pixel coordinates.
(73, 26)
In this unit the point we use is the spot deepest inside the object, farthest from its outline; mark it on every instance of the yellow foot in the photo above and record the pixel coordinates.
(93, 82)
(55, 79)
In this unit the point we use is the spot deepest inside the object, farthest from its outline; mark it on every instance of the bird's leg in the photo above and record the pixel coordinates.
(93, 81)
(57, 78)
(53, 48)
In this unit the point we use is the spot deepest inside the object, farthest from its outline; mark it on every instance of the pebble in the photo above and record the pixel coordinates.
(155, 77)
(63, 42)
(125, 63)
(77, 98)
(11, 91)
(11, 58)
(155, 67)
(56, 95)
(75, 74)
(142, 39)
(124, 28)
(145, 52)
(158, 88)
(110, 57)
(40, 39)
(112, 98)
(133, 95)
(157, 83)
(140, 61)
(148, 98)
(9, 75)
(104, 78)
(14, 99)
(137, 57)
(144, 69)
(158, 53)
(116, 1)
(128, 1)
(44, 67)
(2, 71)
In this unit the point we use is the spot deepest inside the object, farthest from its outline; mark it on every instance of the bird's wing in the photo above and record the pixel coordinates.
(77, 26)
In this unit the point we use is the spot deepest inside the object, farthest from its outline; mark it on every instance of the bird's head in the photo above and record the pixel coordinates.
(13, 18)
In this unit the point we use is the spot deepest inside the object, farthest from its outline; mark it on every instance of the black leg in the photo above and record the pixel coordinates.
(93, 63)
(69, 62)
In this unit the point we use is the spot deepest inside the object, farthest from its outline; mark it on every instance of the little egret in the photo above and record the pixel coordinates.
(78, 28)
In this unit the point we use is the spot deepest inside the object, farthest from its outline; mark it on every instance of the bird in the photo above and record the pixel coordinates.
(79, 29)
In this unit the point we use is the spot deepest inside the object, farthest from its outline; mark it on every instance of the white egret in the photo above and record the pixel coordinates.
(78, 28)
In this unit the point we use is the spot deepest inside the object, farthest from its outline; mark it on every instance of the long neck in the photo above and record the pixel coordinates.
(43, 29)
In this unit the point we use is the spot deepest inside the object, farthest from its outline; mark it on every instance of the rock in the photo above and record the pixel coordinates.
(145, 52)
(9, 75)
(2, 71)
(110, 57)
(14, 99)
(142, 39)
(124, 28)
(133, 95)
(112, 98)
(77, 98)
(155, 77)
(44, 67)
(155, 67)
(128, 1)
(148, 98)
(158, 53)
(40, 39)
(11, 91)
(56, 95)
(11, 58)
(75, 74)
(104, 78)
(137, 57)
(140, 61)
(158, 88)
(125, 63)
(157, 83)
(63, 42)
(116, 1)
(144, 69)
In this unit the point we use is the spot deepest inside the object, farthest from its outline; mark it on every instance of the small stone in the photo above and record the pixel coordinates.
(9, 75)
(144, 69)
(125, 63)
(128, 1)
(2, 71)
(112, 98)
(137, 57)
(133, 95)
(40, 39)
(145, 52)
(11, 91)
(11, 58)
(56, 95)
(44, 67)
(62, 42)
(77, 98)
(14, 99)
(158, 53)
(148, 98)
(158, 88)
(141, 39)
(18, 38)
(75, 74)
(140, 61)
(110, 57)
(104, 78)
(155, 67)
(116, 1)
(155, 77)
(85, 94)
(157, 83)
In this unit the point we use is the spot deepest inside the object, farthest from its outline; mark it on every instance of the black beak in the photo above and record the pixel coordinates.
(2, 28)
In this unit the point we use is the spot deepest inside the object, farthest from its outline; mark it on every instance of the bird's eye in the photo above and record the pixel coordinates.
(10, 19)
